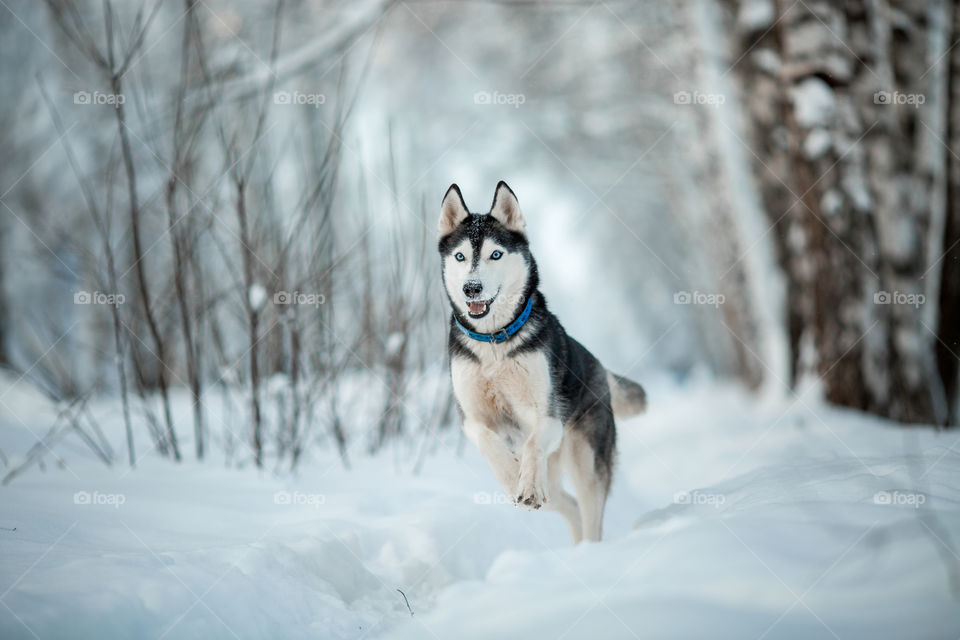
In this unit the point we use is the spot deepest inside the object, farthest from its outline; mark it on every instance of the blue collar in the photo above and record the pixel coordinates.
(504, 334)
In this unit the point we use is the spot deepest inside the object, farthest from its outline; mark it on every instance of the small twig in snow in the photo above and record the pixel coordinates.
(407, 602)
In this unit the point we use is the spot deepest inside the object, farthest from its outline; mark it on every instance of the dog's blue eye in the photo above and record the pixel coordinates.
(459, 257)
(496, 255)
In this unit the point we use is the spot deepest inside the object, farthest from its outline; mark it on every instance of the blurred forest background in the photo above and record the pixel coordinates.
(224, 213)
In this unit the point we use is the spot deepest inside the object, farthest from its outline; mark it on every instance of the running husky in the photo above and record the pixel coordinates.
(533, 400)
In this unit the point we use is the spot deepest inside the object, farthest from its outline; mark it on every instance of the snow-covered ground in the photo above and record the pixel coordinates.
(729, 518)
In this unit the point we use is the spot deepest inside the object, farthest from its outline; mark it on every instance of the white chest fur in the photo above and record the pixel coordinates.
(499, 387)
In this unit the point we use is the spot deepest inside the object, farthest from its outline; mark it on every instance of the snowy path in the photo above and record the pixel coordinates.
(781, 533)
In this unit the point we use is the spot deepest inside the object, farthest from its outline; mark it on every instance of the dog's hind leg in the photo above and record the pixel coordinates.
(492, 447)
(560, 501)
(591, 484)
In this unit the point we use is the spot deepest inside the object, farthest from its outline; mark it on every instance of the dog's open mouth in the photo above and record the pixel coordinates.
(479, 308)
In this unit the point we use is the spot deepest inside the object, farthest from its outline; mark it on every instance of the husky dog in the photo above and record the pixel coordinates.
(533, 400)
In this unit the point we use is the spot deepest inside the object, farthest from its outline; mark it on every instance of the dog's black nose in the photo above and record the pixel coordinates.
(472, 288)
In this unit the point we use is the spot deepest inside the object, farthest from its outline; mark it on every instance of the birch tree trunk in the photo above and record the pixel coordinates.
(845, 104)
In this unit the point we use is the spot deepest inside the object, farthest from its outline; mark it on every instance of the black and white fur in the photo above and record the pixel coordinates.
(539, 405)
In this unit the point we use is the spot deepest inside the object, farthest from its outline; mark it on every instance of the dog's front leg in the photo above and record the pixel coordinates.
(498, 455)
(546, 434)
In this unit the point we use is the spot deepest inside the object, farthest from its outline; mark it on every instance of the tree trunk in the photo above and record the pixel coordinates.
(838, 124)
(253, 324)
(4, 320)
(948, 323)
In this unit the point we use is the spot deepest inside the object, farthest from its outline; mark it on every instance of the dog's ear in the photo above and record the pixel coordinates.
(506, 209)
(453, 211)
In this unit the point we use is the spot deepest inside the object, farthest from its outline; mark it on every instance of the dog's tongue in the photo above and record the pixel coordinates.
(476, 308)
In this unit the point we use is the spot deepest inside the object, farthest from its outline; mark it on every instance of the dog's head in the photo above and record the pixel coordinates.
(487, 268)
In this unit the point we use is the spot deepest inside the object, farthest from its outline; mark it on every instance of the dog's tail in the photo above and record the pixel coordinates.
(627, 398)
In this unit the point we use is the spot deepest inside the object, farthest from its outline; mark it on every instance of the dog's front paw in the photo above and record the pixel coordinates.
(531, 490)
